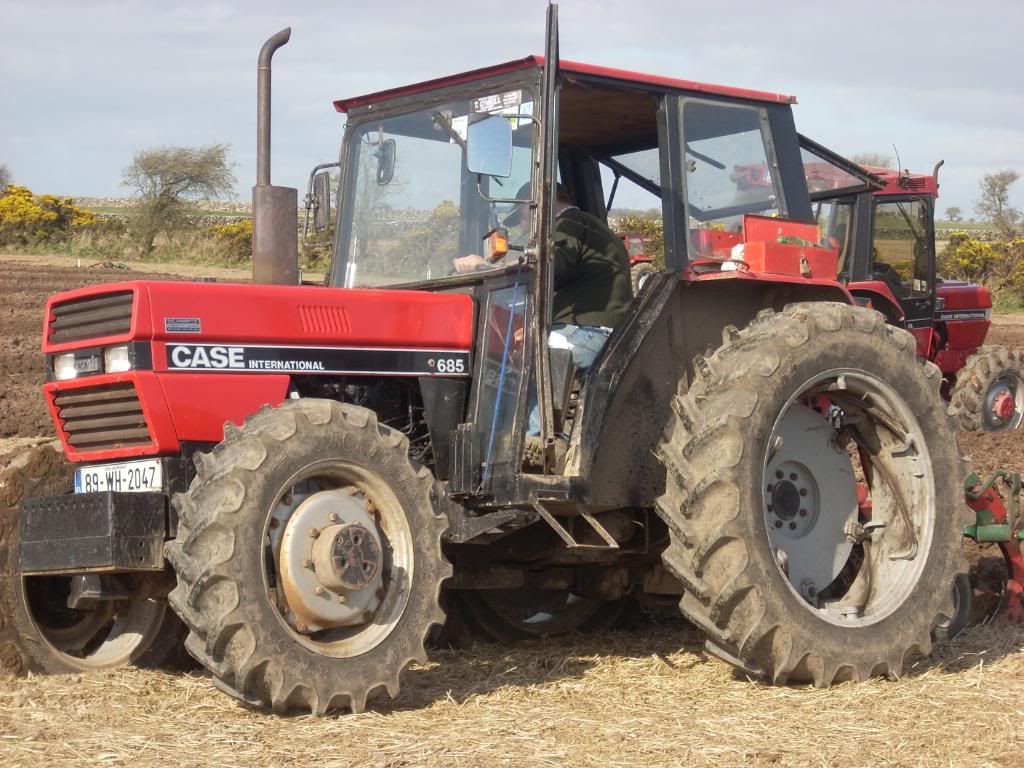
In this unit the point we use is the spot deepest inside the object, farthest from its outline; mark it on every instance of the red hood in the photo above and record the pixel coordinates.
(274, 314)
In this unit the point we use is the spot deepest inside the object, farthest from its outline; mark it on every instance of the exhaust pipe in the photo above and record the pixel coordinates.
(275, 223)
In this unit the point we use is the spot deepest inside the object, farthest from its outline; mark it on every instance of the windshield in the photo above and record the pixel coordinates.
(727, 172)
(407, 226)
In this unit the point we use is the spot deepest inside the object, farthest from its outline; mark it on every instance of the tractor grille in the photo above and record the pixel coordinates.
(91, 318)
(103, 418)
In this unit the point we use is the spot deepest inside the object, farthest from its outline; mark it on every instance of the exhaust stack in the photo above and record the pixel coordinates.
(275, 224)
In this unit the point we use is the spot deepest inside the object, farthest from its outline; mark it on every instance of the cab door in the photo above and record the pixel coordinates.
(903, 255)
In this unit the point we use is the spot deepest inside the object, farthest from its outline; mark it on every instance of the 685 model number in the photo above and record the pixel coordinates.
(450, 365)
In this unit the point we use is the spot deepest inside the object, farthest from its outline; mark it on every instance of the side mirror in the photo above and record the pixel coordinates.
(489, 146)
(385, 162)
(322, 201)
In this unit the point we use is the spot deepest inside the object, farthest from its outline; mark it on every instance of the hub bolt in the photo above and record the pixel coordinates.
(779, 474)
(302, 626)
(307, 563)
(320, 591)
(314, 532)
(803, 491)
(769, 488)
(381, 592)
(792, 476)
(803, 513)
(334, 517)
(343, 599)
(792, 526)
(778, 523)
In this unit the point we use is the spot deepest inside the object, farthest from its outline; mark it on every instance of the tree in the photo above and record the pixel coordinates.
(5, 179)
(872, 158)
(994, 203)
(953, 213)
(167, 177)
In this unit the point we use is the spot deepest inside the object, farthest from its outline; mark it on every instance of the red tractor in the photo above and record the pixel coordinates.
(641, 262)
(886, 239)
(296, 471)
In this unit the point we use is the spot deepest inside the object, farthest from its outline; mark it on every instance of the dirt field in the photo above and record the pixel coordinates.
(649, 697)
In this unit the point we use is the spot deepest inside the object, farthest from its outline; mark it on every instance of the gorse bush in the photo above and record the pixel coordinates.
(28, 219)
(235, 240)
(998, 265)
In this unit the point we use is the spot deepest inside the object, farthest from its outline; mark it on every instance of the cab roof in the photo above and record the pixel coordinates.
(625, 77)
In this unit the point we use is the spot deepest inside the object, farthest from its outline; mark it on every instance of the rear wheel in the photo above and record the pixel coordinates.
(309, 558)
(989, 391)
(39, 632)
(811, 494)
(504, 615)
(640, 274)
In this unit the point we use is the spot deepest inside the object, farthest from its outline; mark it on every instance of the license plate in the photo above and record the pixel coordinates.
(129, 476)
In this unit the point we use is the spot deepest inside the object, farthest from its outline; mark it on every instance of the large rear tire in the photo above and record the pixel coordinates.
(989, 391)
(38, 632)
(767, 528)
(309, 558)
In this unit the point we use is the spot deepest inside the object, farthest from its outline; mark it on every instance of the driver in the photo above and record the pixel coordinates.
(592, 285)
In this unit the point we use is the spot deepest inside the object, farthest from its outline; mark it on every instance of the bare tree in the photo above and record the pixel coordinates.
(5, 179)
(872, 158)
(994, 203)
(954, 214)
(167, 177)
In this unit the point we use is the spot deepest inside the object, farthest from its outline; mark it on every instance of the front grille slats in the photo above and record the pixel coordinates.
(103, 418)
(90, 318)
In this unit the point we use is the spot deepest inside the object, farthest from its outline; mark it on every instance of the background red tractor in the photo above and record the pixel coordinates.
(886, 239)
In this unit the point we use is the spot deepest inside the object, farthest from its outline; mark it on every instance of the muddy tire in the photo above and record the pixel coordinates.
(728, 498)
(640, 274)
(252, 609)
(989, 391)
(963, 599)
(38, 632)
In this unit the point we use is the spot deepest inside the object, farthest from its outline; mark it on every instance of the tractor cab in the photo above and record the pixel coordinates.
(888, 258)
(465, 166)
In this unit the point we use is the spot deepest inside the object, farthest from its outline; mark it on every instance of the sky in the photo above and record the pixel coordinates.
(86, 85)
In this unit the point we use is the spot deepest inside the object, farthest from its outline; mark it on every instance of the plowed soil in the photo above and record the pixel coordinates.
(25, 284)
(648, 697)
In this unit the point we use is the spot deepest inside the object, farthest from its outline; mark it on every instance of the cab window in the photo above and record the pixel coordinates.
(902, 245)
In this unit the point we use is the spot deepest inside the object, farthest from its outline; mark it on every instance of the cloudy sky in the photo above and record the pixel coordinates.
(84, 85)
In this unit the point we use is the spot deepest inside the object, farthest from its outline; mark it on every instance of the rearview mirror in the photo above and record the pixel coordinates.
(385, 161)
(322, 201)
(489, 146)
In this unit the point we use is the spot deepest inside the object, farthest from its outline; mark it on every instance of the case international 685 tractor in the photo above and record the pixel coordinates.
(296, 471)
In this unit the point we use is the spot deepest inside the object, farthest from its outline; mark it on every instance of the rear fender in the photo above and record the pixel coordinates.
(627, 400)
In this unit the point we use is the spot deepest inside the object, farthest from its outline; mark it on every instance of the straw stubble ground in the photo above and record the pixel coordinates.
(649, 698)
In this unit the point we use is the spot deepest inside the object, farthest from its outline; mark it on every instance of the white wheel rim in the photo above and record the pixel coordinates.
(894, 572)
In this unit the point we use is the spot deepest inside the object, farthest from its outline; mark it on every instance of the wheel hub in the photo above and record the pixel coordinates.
(805, 528)
(1003, 403)
(346, 557)
(331, 563)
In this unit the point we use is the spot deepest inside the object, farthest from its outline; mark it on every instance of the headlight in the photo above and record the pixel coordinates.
(116, 360)
(64, 366)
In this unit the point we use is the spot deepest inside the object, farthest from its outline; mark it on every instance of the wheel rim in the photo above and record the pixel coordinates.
(110, 634)
(339, 564)
(843, 544)
(1004, 402)
(540, 612)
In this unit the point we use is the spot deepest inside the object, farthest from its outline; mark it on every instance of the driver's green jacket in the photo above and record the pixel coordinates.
(592, 282)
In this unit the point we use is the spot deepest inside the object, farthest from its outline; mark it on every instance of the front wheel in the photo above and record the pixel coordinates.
(39, 631)
(812, 495)
(309, 558)
(989, 391)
